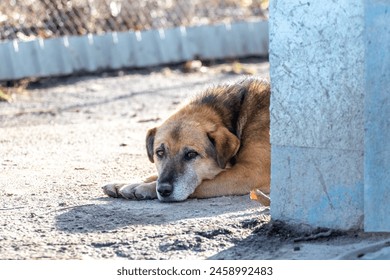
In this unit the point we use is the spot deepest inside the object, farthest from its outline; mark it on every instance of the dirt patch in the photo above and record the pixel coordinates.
(61, 140)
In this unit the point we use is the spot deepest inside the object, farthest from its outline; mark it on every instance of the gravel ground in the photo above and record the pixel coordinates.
(62, 139)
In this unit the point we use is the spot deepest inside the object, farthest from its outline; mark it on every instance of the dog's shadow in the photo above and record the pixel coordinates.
(109, 214)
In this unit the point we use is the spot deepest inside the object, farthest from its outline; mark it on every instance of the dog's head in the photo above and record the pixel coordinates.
(186, 153)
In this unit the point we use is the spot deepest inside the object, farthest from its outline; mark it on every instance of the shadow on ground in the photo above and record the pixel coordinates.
(119, 213)
(280, 240)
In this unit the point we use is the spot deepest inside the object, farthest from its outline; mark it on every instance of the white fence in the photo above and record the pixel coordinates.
(115, 50)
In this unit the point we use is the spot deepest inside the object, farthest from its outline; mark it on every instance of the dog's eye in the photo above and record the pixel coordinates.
(160, 153)
(190, 155)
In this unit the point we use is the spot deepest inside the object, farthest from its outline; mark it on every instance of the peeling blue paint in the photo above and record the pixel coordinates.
(346, 202)
(297, 191)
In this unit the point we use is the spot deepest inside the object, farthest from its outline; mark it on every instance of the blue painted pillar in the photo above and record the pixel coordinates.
(377, 115)
(317, 112)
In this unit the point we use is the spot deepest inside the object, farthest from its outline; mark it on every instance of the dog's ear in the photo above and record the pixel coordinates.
(226, 145)
(150, 142)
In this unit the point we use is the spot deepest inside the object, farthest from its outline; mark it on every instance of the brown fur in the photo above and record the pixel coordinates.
(216, 145)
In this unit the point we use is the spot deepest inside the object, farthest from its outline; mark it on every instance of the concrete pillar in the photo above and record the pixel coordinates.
(377, 115)
(317, 112)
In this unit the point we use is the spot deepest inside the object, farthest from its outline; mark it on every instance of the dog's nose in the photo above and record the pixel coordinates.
(165, 189)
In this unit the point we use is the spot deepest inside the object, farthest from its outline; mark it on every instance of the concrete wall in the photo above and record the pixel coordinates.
(377, 115)
(116, 50)
(317, 105)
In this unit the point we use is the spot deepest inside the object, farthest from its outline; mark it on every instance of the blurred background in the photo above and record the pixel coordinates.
(49, 38)
(28, 19)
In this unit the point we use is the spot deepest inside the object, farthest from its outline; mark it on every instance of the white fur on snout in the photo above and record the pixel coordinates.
(183, 186)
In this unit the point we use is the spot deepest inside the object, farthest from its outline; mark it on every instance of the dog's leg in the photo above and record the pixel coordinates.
(238, 180)
(150, 179)
(140, 191)
(244, 176)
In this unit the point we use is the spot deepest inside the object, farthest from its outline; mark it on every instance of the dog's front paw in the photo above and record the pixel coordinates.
(112, 190)
(131, 191)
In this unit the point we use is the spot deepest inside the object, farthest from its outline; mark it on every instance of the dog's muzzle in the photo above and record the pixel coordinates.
(165, 189)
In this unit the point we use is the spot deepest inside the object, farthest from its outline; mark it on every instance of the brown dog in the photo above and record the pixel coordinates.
(216, 145)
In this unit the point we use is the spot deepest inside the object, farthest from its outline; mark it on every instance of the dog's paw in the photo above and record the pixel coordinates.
(131, 191)
(112, 190)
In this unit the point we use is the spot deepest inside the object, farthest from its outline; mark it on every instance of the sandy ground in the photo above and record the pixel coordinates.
(62, 139)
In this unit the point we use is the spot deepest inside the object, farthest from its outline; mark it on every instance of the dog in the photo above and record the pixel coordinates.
(216, 145)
